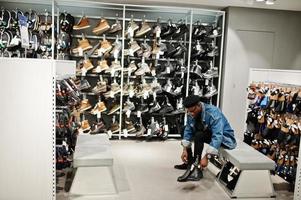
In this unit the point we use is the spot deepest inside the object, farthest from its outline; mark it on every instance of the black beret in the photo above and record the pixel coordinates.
(191, 100)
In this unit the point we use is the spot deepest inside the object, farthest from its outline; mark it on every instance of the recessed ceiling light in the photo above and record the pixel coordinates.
(259, 0)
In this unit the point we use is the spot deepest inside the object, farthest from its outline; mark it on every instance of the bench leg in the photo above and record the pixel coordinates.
(255, 184)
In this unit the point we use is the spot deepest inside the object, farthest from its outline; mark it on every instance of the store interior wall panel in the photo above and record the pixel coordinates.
(255, 38)
(26, 147)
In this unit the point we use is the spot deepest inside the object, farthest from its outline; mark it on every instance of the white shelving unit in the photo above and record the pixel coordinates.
(27, 145)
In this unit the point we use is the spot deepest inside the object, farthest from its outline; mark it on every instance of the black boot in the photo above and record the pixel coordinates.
(193, 173)
(185, 166)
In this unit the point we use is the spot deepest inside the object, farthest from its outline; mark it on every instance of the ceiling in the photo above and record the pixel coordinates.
(216, 4)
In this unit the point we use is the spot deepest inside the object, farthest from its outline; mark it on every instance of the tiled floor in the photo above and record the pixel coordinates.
(144, 170)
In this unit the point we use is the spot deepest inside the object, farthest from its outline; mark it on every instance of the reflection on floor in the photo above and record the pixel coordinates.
(144, 170)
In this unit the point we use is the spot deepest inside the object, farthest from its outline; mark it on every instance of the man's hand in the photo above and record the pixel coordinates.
(204, 162)
(184, 156)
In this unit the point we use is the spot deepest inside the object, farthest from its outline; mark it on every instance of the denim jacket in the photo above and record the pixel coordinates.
(214, 120)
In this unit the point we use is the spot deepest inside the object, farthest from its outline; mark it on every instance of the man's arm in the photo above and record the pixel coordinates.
(217, 129)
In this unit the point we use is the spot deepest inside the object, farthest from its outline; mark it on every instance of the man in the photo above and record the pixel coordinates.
(206, 124)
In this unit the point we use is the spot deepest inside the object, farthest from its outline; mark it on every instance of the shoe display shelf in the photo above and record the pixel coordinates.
(273, 123)
(162, 46)
(27, 29)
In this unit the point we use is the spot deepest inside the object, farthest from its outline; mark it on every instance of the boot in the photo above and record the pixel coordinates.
(193, 173)
(185, 166)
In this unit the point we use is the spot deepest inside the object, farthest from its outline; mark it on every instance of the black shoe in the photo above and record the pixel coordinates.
(194, 174)
(183, 166)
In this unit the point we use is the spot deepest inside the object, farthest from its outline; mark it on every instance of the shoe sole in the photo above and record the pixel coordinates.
(113, 111)
(84, 49)
(89, 68)
(80, 28)
(87, 108)
(101, 30)
(115, 131)
(143, 32)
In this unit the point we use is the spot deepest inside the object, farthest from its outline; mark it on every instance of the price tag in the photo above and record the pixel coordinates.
(158, 32)
(157, 126)
(112, 72)
(109, 133)
(157, 56)
(161, 53)
(155, 95)
(98, 115)
(128, 113)
(138, 113)
(166, 127)
(153, 72)
(145, 95)
(111, 94)
(125, 132)
(24, 31)
(129, 71)
(80, 51)
(182, 75)
(116, 53)
(198, 47)
(168, 70)
(131, 93)
(149, 131)
(206, 81)
(131, 52)
(99, 52)
(131, 32)
(84, 71)
(168, 89)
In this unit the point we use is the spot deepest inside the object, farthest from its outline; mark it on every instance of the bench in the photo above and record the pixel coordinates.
(93, 161)
(254, 178)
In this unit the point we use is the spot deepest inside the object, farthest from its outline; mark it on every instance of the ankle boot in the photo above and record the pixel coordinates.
(193, 173)
(185, 166)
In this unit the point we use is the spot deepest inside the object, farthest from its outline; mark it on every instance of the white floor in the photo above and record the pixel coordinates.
(144, 171)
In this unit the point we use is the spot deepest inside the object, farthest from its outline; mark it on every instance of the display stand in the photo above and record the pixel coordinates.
(27, 145)
(292, 77)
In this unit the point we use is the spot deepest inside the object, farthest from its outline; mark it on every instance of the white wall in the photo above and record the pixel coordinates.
(256, 38)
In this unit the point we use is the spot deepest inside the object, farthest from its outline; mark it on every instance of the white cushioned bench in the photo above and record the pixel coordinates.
(254, 180)
(92, 150)
(93, 159)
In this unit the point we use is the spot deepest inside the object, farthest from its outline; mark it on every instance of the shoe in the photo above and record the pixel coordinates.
(101, 27)
(211, 73)
(132, 27)
(114, 127)
(84, 105)
(84, 84)
(105, 47)
(166, 109)
(211, 91)
(115, 27)
(144, 29)
(155, 108)
(133, 47)
(115, 108)
(82, 44)
(102, 66)
(129, 126)
(193, 173)
(98, 108)
(128, 106)
(115, 66)
(179, 51)
(143, 108)
(98, 128)
(82, 24)
(88, 65)
(117, 48)
(181, 30)
(143, 68)
(168, 30)
(85, 126)
(140, 131)
(183, 166)
(100, 87)
(131, 68)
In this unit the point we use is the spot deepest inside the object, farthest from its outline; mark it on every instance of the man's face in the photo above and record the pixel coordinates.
(194, 110)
